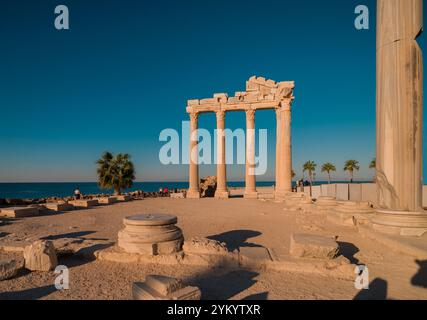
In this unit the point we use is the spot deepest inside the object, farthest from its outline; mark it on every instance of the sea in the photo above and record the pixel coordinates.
(38, 190)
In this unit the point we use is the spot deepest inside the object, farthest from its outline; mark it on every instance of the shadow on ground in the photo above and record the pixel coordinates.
(348, 250)
(83, 256)
(28, 294)
(224, 286)
(420, 278)
(377, 291)
(237, 238)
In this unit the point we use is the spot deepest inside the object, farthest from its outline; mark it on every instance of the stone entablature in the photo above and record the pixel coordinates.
(260, 94)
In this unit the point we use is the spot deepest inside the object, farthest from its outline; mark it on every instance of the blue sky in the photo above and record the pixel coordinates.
(125, 69)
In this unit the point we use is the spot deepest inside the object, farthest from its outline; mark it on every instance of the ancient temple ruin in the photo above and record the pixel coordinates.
(260, 94)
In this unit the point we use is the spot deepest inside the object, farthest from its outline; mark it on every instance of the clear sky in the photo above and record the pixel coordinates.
(124, 71)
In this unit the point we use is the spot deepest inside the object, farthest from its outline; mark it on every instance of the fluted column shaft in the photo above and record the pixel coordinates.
(283, 151)
(194, 188)
(250, 189)
(221, 190)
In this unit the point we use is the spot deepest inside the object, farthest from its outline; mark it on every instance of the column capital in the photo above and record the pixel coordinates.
(250, 114)
(220, 115)
(285, 105)
(194, 116)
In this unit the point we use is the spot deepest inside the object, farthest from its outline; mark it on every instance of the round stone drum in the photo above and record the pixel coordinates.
(153, 234)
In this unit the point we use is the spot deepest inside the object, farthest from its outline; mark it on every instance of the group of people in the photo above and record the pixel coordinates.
(164, 192)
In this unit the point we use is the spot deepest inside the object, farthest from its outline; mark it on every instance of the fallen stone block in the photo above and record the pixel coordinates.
(57, 207)
(84, 203)
(19, 212)
(178, 195)
(10, 268)
(124, 198)
(198, 245)
(107, 200)
(313, 246)
(254, 257)
(40, 256)
(158, 287)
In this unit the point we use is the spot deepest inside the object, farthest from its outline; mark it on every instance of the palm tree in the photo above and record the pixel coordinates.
(310, 167)
(115, 172)
(328, 168)
(350, 166)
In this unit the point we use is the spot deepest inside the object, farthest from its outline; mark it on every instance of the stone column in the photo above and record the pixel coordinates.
(194, 182)
(399, 118)
(221, 189)
(284, 151)
(250, 189)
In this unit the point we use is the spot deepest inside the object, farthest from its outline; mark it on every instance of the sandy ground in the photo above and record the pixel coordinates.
(237, 222)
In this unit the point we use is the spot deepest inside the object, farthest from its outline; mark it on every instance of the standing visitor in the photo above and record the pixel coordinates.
(77, 193)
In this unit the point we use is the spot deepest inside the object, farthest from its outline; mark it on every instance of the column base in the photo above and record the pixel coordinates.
(281, 195)
(350, 213)
(251, 195)
(192, 194)
(224, 194)
(402, 223)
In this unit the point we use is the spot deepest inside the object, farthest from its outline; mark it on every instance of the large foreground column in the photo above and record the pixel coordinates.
(250, 189)
(194, 188)
(399, 118)
(283, 151)
(221, 189)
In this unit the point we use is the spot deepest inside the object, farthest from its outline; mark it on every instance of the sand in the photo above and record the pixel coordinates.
(237, 222)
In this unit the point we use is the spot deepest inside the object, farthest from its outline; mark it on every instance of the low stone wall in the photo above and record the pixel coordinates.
(349, 192)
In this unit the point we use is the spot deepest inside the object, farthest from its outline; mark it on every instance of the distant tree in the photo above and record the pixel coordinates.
(328, 168)
(115, 172)
(350, 166)
(373, 164)
(310, 167)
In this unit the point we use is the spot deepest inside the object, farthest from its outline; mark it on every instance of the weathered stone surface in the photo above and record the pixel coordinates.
(19, 212)
(123, 198)
(163, 285)
(58, 206)
(40, 256)
(254, 257)
(313, 246)
(351, 213)
(107, 200)
(208, 187)
(198, 245)
(84, 203)
(158, 287)
(177, 195)
(10, 268)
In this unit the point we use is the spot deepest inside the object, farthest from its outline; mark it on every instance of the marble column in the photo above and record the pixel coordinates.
(194, 182)
(399, 118)
(283, 151)
(221, 189)
(250, 189)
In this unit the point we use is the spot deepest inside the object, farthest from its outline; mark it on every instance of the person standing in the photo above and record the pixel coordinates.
(77, 194)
